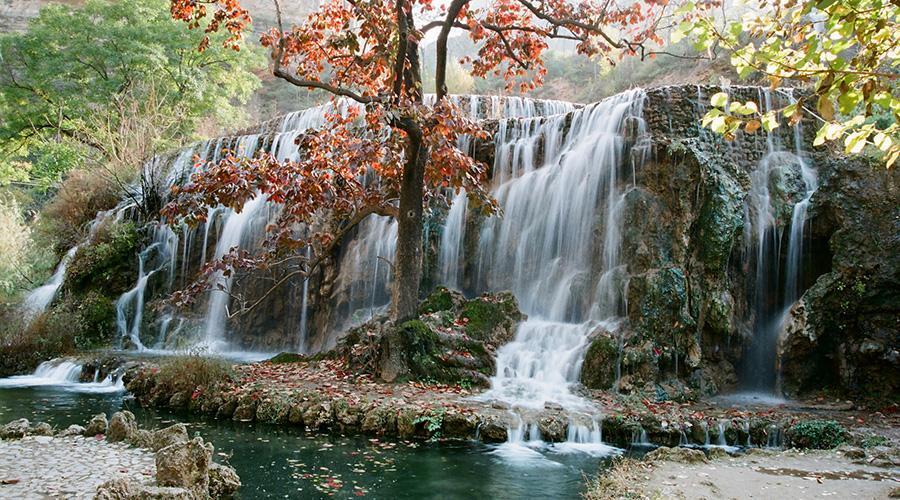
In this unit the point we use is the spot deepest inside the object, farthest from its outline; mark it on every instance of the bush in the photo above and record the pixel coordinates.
(15, 240)
(817, 435)
(77, 202)
(94, 320)
(24, 346)
(192, 372)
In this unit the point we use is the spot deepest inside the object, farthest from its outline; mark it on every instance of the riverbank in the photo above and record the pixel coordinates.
(847, 472)
(322, 395)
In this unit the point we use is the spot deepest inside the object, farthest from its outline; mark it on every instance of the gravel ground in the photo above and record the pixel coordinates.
(68, 467)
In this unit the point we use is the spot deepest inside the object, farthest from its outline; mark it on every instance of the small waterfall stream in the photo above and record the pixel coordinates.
(778, 273)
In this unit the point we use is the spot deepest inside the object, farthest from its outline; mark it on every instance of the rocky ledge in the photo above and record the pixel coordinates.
(110, 460)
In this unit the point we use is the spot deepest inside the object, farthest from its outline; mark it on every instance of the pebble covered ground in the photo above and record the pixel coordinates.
(68, 467)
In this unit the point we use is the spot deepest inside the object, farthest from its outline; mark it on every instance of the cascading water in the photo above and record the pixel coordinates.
(38, 300)
(777, 281)
(545, 247)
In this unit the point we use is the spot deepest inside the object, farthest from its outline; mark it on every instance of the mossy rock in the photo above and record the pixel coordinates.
(286, 357)
(599, 368)
(94, 315)
(441, 299)
(107, 264)
(485, 314)
(721, 219)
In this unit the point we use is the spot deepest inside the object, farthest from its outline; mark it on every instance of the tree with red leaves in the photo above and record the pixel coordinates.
(391, 153)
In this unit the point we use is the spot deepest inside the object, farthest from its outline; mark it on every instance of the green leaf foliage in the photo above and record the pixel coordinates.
(76, 73)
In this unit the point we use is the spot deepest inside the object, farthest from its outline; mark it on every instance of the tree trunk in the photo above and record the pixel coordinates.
(408, 261)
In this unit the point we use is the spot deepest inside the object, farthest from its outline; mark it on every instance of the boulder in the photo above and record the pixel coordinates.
(72, 430)
(41, 429)
(223, 481)
(173, 434)
(492, 431)
(15, 430)
(97, 425)
(458, 425)
(681, 455)
(122, 427)
(185, 465)
(123, 489)
(552, 427)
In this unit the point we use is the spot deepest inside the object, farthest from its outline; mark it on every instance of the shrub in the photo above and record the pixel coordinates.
(817, 434)
(77, 202)
(192, 372)
(15, 240)
(94, 316)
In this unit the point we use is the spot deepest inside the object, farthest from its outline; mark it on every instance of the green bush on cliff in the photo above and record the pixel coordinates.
(817, 434)
(107, 264)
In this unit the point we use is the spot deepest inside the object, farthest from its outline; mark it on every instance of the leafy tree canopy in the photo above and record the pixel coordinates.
(81, 78)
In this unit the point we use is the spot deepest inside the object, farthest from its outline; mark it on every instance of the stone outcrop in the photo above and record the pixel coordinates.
(453, 341)
(185, 465)
(844, 332)
(98, 425)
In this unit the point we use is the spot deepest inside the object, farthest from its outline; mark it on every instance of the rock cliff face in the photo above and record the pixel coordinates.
(706, 301)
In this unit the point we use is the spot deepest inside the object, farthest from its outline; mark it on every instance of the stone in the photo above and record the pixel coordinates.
(223, 481)
(493, 432)
(173, 434)
(245, 412)
(141, 438)
(598, 370)
(552, 427)
(116, 489)
(185, 465)
(41, 429)
(15, 430)
(682, 455)
(852, 452)
(179, 400)
(72, 430)
(122, 427)
(716, 453)
(125, 489)
(459, 426)
(97, 425)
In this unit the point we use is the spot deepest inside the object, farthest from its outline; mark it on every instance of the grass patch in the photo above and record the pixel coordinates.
(622, 479)
(192, 372)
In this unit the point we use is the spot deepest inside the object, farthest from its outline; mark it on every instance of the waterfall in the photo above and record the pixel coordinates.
(545, 247)
(37, 301)
(452, 241)
(133, 300)
(777, 276)
(64, 374)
